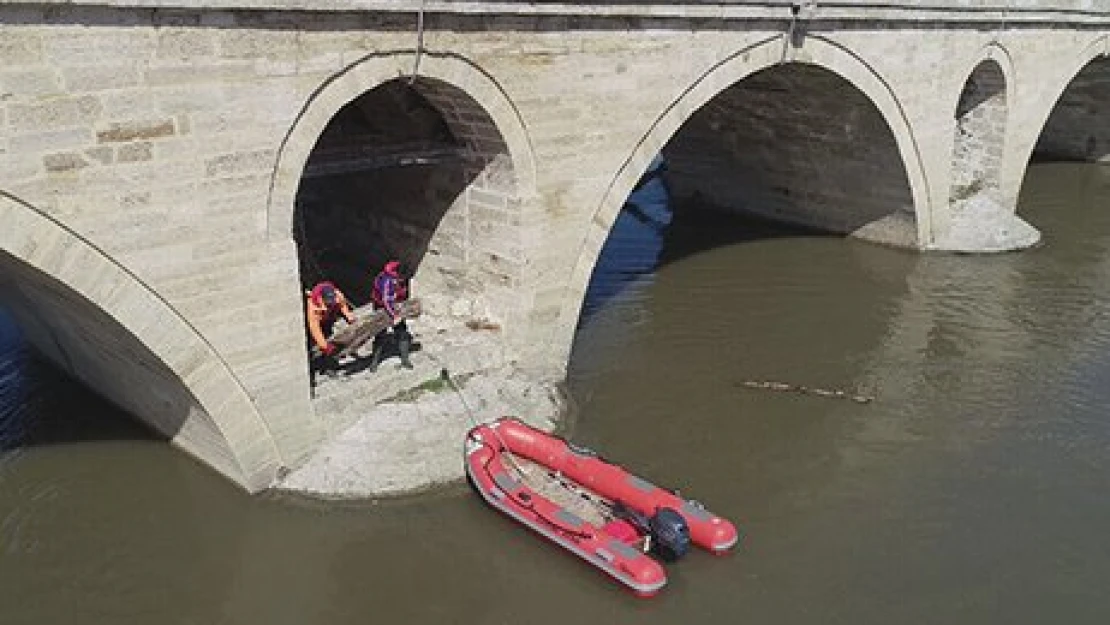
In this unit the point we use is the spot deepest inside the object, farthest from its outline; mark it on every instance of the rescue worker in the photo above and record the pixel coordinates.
(325, 303)
(389, 290)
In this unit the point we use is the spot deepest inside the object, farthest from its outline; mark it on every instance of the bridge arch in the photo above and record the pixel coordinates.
(1028, 138)
(767, 55)
(981, 112)
(1077, 125)
(100, 322)
(371, 72)
(464, 236)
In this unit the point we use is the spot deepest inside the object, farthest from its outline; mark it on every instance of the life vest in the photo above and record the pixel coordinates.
(400, 289)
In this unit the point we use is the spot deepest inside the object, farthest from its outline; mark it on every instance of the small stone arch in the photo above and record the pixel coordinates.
(980, 114)
(370, 72)
(815, 51)
(112, 331)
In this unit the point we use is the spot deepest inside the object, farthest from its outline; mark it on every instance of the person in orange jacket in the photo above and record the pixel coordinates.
(325, 304)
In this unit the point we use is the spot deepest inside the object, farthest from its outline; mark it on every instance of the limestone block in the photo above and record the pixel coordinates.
(15, 168)
(22, 84)
(63, 162)
(134, 152)
(176, 74)
(88, 78)
(240, 163)
(20, 46)
(78, 46)
(256, 44)
(133, 130)
(129, 104)
(185, 43)
(54, 113)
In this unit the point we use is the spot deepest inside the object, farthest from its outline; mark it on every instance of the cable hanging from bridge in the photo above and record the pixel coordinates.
(419, 42)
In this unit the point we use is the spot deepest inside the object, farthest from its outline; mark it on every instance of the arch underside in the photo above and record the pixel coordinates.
(798, 144)
(416, 171)
(456, 220)
(979, 138)
(1078, 129)
(100, 325)
(721, 135)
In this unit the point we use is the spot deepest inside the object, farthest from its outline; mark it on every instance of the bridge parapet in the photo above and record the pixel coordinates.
(1069, 11)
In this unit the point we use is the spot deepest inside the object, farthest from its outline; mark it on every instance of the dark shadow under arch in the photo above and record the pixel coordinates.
(799, 144)
(414, 170)
(1078, 129)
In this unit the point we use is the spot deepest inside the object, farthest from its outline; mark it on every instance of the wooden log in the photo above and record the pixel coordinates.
(806, 390)
(351, 337)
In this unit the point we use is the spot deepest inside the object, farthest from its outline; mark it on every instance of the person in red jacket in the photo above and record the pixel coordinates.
(324, 305)
(390, 288)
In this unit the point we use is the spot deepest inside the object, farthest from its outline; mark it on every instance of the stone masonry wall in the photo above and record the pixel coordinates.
(163, 138)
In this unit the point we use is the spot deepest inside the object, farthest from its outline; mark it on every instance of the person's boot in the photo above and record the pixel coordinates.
(376, 356)
(404, 344)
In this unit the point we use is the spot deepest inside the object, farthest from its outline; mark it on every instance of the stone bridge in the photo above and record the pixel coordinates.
(174, 172)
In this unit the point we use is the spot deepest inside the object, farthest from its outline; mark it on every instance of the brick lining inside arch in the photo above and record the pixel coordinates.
(490, 207)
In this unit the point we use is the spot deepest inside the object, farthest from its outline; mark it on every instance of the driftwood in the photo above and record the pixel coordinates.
(349, 338)
(806, 390)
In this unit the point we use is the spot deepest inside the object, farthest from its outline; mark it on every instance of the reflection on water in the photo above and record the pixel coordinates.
(12, 382)
(974, 489)
(635, 243)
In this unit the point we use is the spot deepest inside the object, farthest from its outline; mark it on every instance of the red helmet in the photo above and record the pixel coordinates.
(325, 293)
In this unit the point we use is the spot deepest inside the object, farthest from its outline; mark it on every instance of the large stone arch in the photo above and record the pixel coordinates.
(105, 326)
(363, 76)
(764, 55)
(476, 263)
(1077, 127)
(1025, 136)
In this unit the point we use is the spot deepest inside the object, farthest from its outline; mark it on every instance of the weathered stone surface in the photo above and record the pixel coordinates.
(66, 161)
(92, 78)
(134, 152)
(119, 132)
(55, 112)
(239, 163)
(175, 143)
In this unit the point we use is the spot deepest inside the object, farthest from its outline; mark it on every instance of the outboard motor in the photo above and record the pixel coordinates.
(670, 535)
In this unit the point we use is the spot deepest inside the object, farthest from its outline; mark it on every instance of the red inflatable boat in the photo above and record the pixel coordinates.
(593, 508)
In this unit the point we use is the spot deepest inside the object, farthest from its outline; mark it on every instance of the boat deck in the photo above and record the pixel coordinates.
(561, 490)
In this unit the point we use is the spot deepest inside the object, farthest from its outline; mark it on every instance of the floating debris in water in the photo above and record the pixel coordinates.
(806, 390)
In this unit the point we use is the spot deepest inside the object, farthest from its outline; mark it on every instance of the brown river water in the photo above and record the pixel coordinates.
(973, 488)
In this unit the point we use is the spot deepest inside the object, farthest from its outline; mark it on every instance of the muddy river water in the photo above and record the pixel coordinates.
(973, 487)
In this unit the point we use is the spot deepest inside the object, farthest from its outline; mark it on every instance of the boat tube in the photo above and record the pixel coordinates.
(514, 467)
